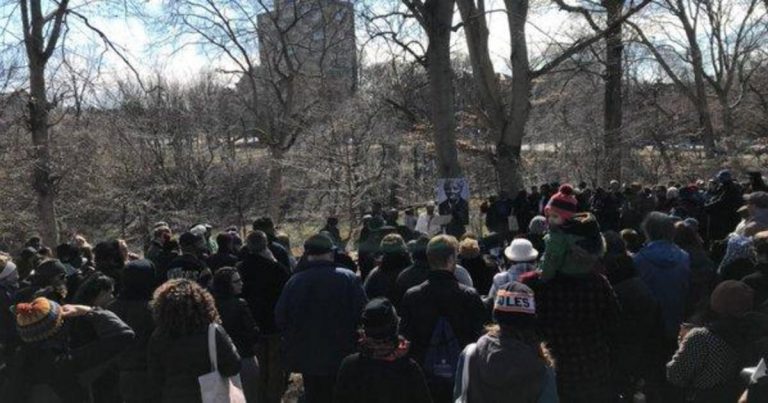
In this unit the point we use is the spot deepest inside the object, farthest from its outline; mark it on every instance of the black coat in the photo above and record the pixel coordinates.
(722, 210)
(759, 282)
(219, 260)
(237, 320)
(382, 280)
(188, 267)
(481, 272)
(279, 251)
(175, 364)
(637, 341)
(137, 315)
(460, 213)
(263, 281)
(8, 336)
(412, 276)
(133, 362)
(52, 367)
(441, 296)
(363, 379)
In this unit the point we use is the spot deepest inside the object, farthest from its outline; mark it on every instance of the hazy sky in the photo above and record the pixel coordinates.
(140, 44)
(546, 25)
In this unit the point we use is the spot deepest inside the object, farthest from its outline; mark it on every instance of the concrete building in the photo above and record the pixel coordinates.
(313, 39)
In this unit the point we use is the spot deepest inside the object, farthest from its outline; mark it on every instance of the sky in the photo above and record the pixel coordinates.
(138, 41)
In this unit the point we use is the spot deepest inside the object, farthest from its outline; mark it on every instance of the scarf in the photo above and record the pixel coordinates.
(383, 349)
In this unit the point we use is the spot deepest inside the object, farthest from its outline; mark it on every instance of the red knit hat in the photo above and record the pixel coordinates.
(563, 203)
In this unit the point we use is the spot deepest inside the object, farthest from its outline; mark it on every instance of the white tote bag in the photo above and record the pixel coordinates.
(215, 388)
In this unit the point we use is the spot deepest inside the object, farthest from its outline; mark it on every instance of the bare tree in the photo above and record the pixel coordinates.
(285, 75)
(508, 116)
(715, 41)
(44, 25)
(435, 20)
(41, 35)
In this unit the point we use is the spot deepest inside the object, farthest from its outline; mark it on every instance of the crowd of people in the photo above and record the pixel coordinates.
(619, 294)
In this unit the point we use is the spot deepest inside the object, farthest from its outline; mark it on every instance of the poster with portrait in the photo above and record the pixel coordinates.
(453, 200)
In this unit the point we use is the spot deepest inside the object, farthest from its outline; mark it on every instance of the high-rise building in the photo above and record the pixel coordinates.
(314, 39)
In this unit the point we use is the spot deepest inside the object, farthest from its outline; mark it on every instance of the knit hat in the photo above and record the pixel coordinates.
(521, 250)
(538, 225)
(318, 245)
(48, 271)
(732, 298)
(563, 203)
(393, 244)
(380, 320)
(514, 304)
(37, 320)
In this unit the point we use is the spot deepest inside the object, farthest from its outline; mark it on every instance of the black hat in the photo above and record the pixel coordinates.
(138, 279)
(380, 320)
(189, 239)
(264, 224)
(49, 270)
(68, 253)
(318, 245)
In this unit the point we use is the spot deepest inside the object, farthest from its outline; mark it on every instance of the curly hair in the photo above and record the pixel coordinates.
(181, 307)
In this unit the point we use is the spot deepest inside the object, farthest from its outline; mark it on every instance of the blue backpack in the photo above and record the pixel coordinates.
(442, 355)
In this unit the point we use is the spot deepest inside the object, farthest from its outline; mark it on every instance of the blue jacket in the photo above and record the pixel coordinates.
(665, 268)
(317, 314)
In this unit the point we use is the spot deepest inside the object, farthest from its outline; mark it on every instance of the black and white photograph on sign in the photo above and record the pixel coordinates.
(453, 200)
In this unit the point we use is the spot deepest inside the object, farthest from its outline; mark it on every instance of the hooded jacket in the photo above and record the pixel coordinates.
(665, 268)
(52, 369)
(263, 281)
(363, 379)
(505, 370)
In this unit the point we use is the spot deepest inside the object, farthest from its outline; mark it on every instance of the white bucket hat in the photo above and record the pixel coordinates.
(521, 250)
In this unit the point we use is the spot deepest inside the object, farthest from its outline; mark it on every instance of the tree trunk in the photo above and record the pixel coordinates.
(512, 140)
(728, 123)
(701, 102)
(42, 180)
(441, 87)
(612, 116)
(506, 122)
(702, 107)
(275, 184)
